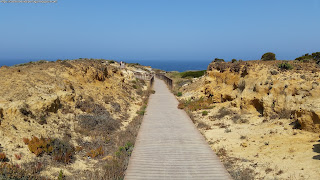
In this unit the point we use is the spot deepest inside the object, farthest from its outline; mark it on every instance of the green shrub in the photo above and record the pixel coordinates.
(179, 94)
(192, 74)
(134, 86)
(242, 85)
(142, 111)
(125, 150)
(233, 60)
(61, 175)
(204, 113)
(218, 60)
(285, 66)
(269, 56)
(307, 57)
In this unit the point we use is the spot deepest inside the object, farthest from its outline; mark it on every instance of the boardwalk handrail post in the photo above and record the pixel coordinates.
(167, 80)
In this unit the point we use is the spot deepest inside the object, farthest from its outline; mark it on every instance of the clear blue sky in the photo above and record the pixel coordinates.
(159, 29)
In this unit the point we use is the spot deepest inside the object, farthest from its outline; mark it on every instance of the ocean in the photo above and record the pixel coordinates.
(166, 65)
(180, 66)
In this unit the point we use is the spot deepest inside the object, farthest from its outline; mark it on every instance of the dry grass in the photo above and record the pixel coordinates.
(96, 152)
(122, 147)
(97, 124)
(18, 156)
(96, 132)
(203, 125)
(223, 112)
(11, 171)
(237, 172)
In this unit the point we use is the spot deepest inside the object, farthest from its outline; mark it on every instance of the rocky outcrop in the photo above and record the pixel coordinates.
(262, 88)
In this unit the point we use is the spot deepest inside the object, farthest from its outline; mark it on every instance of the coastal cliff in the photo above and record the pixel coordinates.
(68, 118)
(262, 119)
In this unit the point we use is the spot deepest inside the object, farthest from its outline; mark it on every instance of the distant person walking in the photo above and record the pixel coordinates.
(122, 65)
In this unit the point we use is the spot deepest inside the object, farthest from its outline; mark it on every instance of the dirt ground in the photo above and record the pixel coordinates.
(272, 149)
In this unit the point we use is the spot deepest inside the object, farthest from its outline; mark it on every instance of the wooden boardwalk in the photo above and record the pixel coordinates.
(169, 146)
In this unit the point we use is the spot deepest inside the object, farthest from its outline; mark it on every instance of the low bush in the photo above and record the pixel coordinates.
(38, 146)
(242, 85)
(307, 57)
(202, 125)
(125, 150)
(285, 114)
(60, 151)
(1, 114)
(233, 60)
(179, 94)
(194, 105)
(236, 118)
(223, 112)
(98, 123)
(89, 106)
(204, 113)
(61, 176)
(96, 152)
(10, 171)
(142, 111)
(218, 60)
(269, 56)
(134, 86)
(285, 66)
(192, 74)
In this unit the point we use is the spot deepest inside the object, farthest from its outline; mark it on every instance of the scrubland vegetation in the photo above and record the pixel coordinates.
(260, 117)
(74, 119)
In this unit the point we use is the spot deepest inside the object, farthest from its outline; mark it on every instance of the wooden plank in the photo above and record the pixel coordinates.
(169, 146)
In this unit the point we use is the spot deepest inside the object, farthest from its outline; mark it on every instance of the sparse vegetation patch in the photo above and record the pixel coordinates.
(194, 105)
(285, 66)
(192, 74)
(60, 151)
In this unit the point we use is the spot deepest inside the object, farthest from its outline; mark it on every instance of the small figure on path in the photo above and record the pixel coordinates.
(122, 65)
